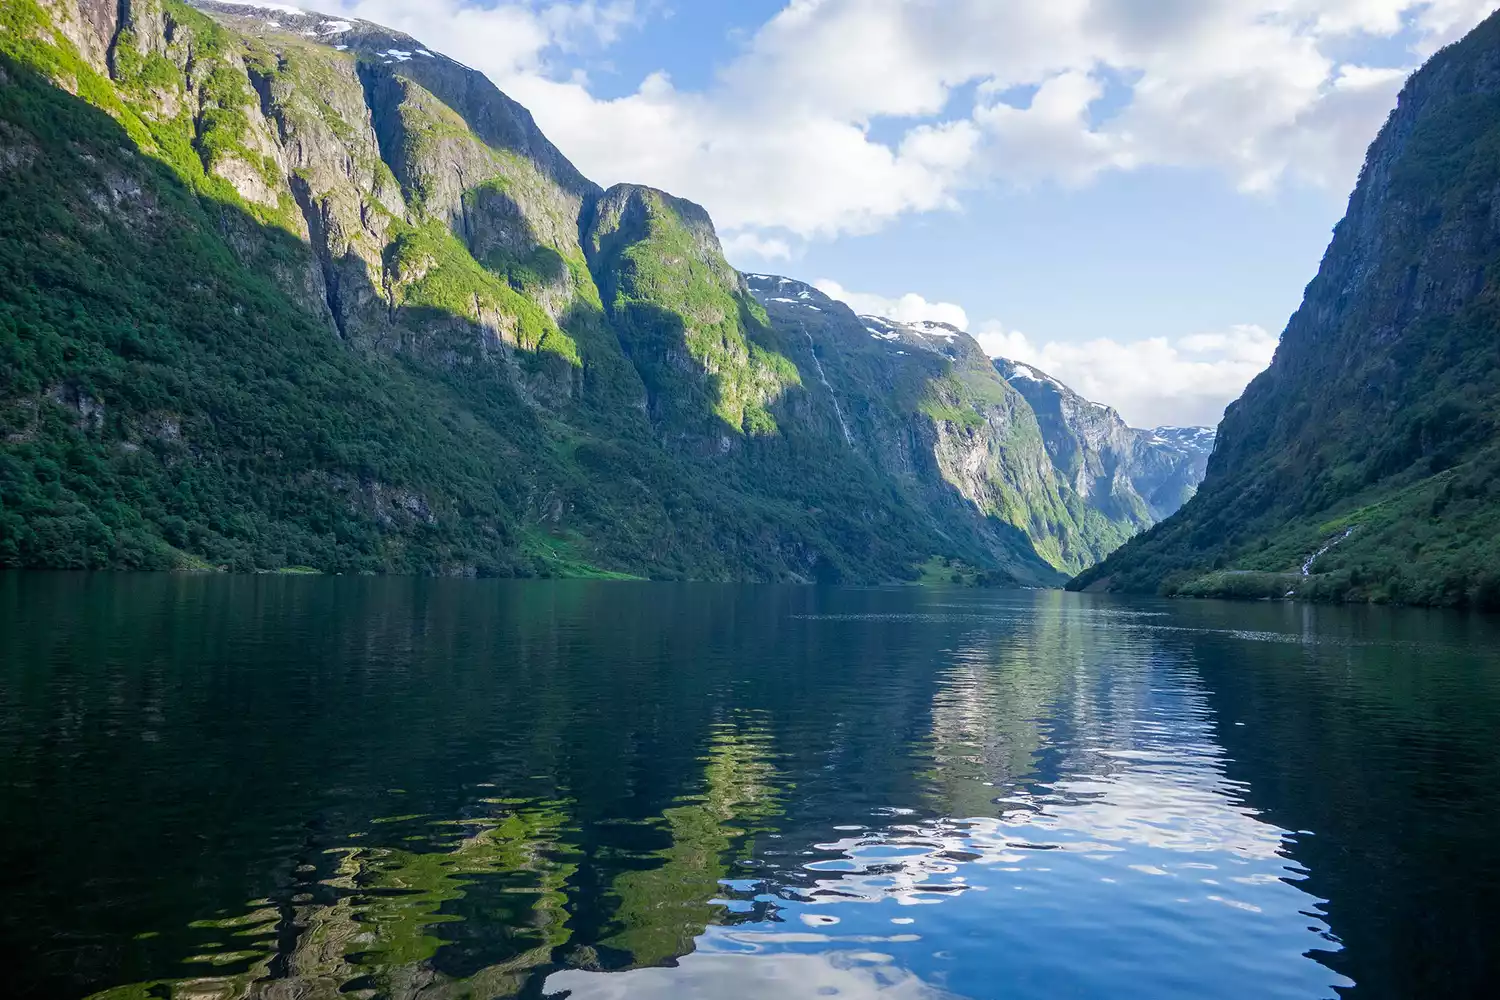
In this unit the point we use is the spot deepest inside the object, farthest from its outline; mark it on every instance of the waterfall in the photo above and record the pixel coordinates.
(823, 377)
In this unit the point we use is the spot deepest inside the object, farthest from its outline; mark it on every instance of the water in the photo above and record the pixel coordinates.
(214, 788)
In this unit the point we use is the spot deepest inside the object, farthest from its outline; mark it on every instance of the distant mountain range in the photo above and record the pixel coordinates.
(1136, 476)
(284, 290)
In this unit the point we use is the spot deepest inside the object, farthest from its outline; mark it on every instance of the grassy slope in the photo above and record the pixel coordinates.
(748, 414)
(231, 428)
(1379, 423)
(164, 403)
(213, 436)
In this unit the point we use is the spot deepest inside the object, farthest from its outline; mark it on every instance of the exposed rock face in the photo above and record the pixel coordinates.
(1169, 463)
(1379, 410)
(393, 328)
(89, 24)
(379, 133)
(685, 317)
(925, 407)
(1133, 476)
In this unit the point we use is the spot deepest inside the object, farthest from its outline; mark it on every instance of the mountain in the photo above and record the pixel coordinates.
(1364, 464)
(1132, 476)
(291, 291)
(923, 406)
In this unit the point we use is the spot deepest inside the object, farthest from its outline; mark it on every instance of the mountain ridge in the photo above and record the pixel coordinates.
(1361, 465)
(422, 341)
(1133, 475)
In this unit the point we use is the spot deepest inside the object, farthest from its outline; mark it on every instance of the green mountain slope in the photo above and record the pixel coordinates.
(287, 291)
(1372, 438)
(925, 408)
(1133, 476)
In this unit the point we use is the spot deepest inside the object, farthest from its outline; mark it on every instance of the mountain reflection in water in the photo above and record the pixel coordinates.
(300, 789)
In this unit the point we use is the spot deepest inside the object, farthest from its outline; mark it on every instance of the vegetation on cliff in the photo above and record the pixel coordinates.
(1362, 465)
(276, 302)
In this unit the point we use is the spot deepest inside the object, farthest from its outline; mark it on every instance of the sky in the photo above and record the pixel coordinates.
(1128, 194)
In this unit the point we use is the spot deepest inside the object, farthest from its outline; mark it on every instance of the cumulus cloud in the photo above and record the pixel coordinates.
(506, 39)
(1182, 381)
(908, 308)
(749, 246)
(839, 116)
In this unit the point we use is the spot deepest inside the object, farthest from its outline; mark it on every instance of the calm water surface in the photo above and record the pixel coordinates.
(293, 789)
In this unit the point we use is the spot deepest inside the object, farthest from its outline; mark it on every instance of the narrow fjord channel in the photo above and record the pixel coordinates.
(220, 787)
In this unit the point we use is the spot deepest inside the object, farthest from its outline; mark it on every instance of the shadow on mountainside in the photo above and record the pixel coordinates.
(163, 395)
(892, 456)
(168, 401)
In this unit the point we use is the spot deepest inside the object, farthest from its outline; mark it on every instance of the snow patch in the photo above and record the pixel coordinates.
(933, 329)
(400, 55)
(1186, 438)
(335, 27)
(257, 5)
(1029, 374)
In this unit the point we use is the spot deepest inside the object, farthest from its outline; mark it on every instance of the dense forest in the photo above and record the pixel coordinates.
(285, 293)
(1364, 464)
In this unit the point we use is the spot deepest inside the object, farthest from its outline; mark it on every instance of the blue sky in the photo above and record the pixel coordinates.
(1130, 195)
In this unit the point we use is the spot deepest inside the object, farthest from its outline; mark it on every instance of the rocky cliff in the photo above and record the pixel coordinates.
(1363, 463)
(1136, 477)
(925, 407)
(288, 290)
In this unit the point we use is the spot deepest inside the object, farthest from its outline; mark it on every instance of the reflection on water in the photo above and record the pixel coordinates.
(221, 789)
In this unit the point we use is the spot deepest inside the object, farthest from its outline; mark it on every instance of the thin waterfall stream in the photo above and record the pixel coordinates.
(823, 377)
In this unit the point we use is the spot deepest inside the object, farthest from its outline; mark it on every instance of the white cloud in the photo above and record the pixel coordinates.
(1158, 381)
(505, 40)
(1183, 381)
(841, 115)
(908, 308)
(754, 247)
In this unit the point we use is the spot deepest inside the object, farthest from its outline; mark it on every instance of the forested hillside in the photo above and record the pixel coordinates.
(284, 291)
(1365, 463)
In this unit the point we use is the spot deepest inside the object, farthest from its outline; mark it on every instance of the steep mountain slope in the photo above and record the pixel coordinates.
(1134, 476)
(1372, 438)
(1168, 464)
(188, 238)
(925, 408)
(285, 290)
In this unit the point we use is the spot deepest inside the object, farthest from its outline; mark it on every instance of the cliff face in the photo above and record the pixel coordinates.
(924, 407)
(1169, 463)
(686, 320)
(1137, 477)
(292, 290)
(1375, 425)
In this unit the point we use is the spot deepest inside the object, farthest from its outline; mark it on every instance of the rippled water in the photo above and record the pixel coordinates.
(215, 788)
